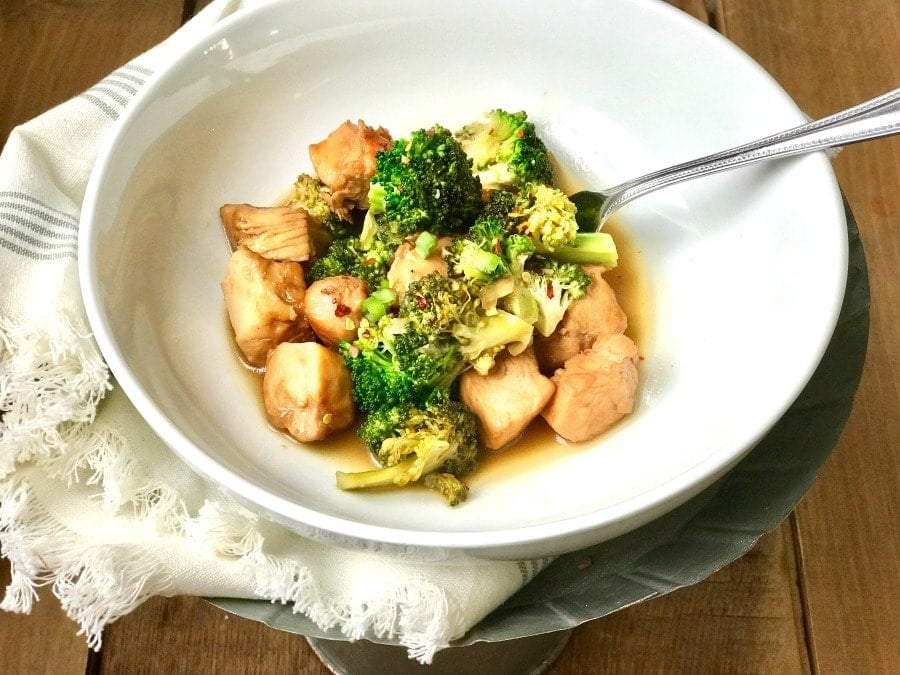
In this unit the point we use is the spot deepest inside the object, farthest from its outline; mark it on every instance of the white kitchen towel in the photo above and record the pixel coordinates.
(91, 502)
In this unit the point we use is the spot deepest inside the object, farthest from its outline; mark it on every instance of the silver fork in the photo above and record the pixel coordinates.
(875, 118)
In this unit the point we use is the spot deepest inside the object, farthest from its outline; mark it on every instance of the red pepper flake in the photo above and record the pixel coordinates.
(497, 246)
(341, 309)
(550, 291)
(520, 133)
(422, 302)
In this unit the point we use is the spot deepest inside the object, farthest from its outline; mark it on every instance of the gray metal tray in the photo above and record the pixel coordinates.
(695, 540)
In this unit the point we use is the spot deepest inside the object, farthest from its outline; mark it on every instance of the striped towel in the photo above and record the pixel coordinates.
(92, 503)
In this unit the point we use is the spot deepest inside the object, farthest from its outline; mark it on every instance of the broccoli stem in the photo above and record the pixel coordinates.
(399, 474)
(587, 248)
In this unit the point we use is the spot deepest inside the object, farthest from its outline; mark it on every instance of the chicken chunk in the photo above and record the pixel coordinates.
(333, 307)
(594, 389)
(506, 399)
(306, 391)
(597, 313)
(408, 265)
(345, 161)
(264, 300)
(274, 232)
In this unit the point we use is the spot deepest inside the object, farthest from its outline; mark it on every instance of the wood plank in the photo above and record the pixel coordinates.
(195, 637)
(829, 55)
(746, 617)
(696, 8)
(43, 641)
(741, 619)
(200, 4)
(52, 50)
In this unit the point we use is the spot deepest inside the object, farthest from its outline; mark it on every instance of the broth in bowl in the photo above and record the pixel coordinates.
(734, 331)
(437, 286)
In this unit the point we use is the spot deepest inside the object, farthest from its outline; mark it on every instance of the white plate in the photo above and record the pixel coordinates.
(745, 270)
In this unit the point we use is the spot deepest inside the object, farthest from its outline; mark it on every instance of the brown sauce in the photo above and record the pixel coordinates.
(344, 447)
(630, 283)
(538, 445)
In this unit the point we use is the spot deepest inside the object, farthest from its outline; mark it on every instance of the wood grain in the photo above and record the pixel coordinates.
(43, 641)
(829, 55)
(744, 618)
(51, 51)
(696, 8)
(820, 594)
(195, 637)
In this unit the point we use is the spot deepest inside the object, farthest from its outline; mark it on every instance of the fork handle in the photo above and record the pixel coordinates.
(875, 118)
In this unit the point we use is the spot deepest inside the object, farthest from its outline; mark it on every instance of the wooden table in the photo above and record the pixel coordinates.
(819, 594)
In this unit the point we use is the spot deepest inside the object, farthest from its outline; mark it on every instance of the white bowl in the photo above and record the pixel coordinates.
(744, 272)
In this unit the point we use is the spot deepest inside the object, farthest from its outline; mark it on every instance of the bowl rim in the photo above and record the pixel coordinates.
(491, 543)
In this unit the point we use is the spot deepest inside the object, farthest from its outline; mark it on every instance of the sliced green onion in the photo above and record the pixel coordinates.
(425, 244)
(377, 304)
(373, 308)
(386, 296)
(480, 262)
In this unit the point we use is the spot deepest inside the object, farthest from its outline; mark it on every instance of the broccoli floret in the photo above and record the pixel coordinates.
(423, 182)
(378, 382)
(451, 488)
(380, 424)
(547, 217)
(477, 257)
(346, 256)
(432, 363)
(498, 204)
(505, 150)
(491, 254)
(434, 304)
(554, 286)
(545, 214)
(448, 310)
(393, 363)
(518, 249)
(473, 263)
(440, 438)
(311, 195)
(481, 341)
